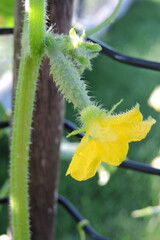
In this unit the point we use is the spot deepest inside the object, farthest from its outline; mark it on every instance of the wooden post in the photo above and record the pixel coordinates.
(46, 129)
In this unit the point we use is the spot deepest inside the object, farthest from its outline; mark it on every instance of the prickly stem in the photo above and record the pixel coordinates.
(25, 94)
(37, 26)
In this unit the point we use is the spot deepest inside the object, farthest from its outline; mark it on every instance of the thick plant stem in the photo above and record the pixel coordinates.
(23, 109)
(20, 147)
(37, 26)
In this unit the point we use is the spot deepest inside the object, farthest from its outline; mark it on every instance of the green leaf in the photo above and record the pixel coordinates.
(92, 46)
(76, 132)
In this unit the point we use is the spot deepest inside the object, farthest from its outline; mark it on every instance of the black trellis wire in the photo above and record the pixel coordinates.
(78, 218)
(4, 31)
(128, 164)
(4, 124)
(4, 200)
(122, 58)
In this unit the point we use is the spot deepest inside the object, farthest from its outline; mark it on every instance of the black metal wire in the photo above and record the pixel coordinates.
(110, 52)
(4, 200)
(4, 31)
(78, 217)
(4, 124)
(122, 58)
(140, 167)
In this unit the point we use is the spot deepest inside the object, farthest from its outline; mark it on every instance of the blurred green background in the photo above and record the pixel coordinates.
(108, 208)
(6, 13)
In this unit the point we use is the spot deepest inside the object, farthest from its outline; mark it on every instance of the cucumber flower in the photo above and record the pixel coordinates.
(106, 139)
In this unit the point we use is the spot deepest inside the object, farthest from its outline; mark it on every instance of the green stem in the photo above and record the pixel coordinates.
(23, 109)
(20, 147)
(105, 22)
(37, 26)
(80, 227)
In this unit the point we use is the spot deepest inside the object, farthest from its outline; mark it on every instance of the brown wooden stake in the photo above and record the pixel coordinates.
(46, 129)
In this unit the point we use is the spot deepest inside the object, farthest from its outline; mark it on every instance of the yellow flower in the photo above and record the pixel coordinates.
(106, 139)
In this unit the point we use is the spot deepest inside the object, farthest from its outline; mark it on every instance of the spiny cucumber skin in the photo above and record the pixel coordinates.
(67, 78)
(37, 26)
(25, 94)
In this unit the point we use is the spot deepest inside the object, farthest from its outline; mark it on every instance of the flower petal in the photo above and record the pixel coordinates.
(135, 132)
(114, 153)
(86, 160)
(101, 132)
(133, 115)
